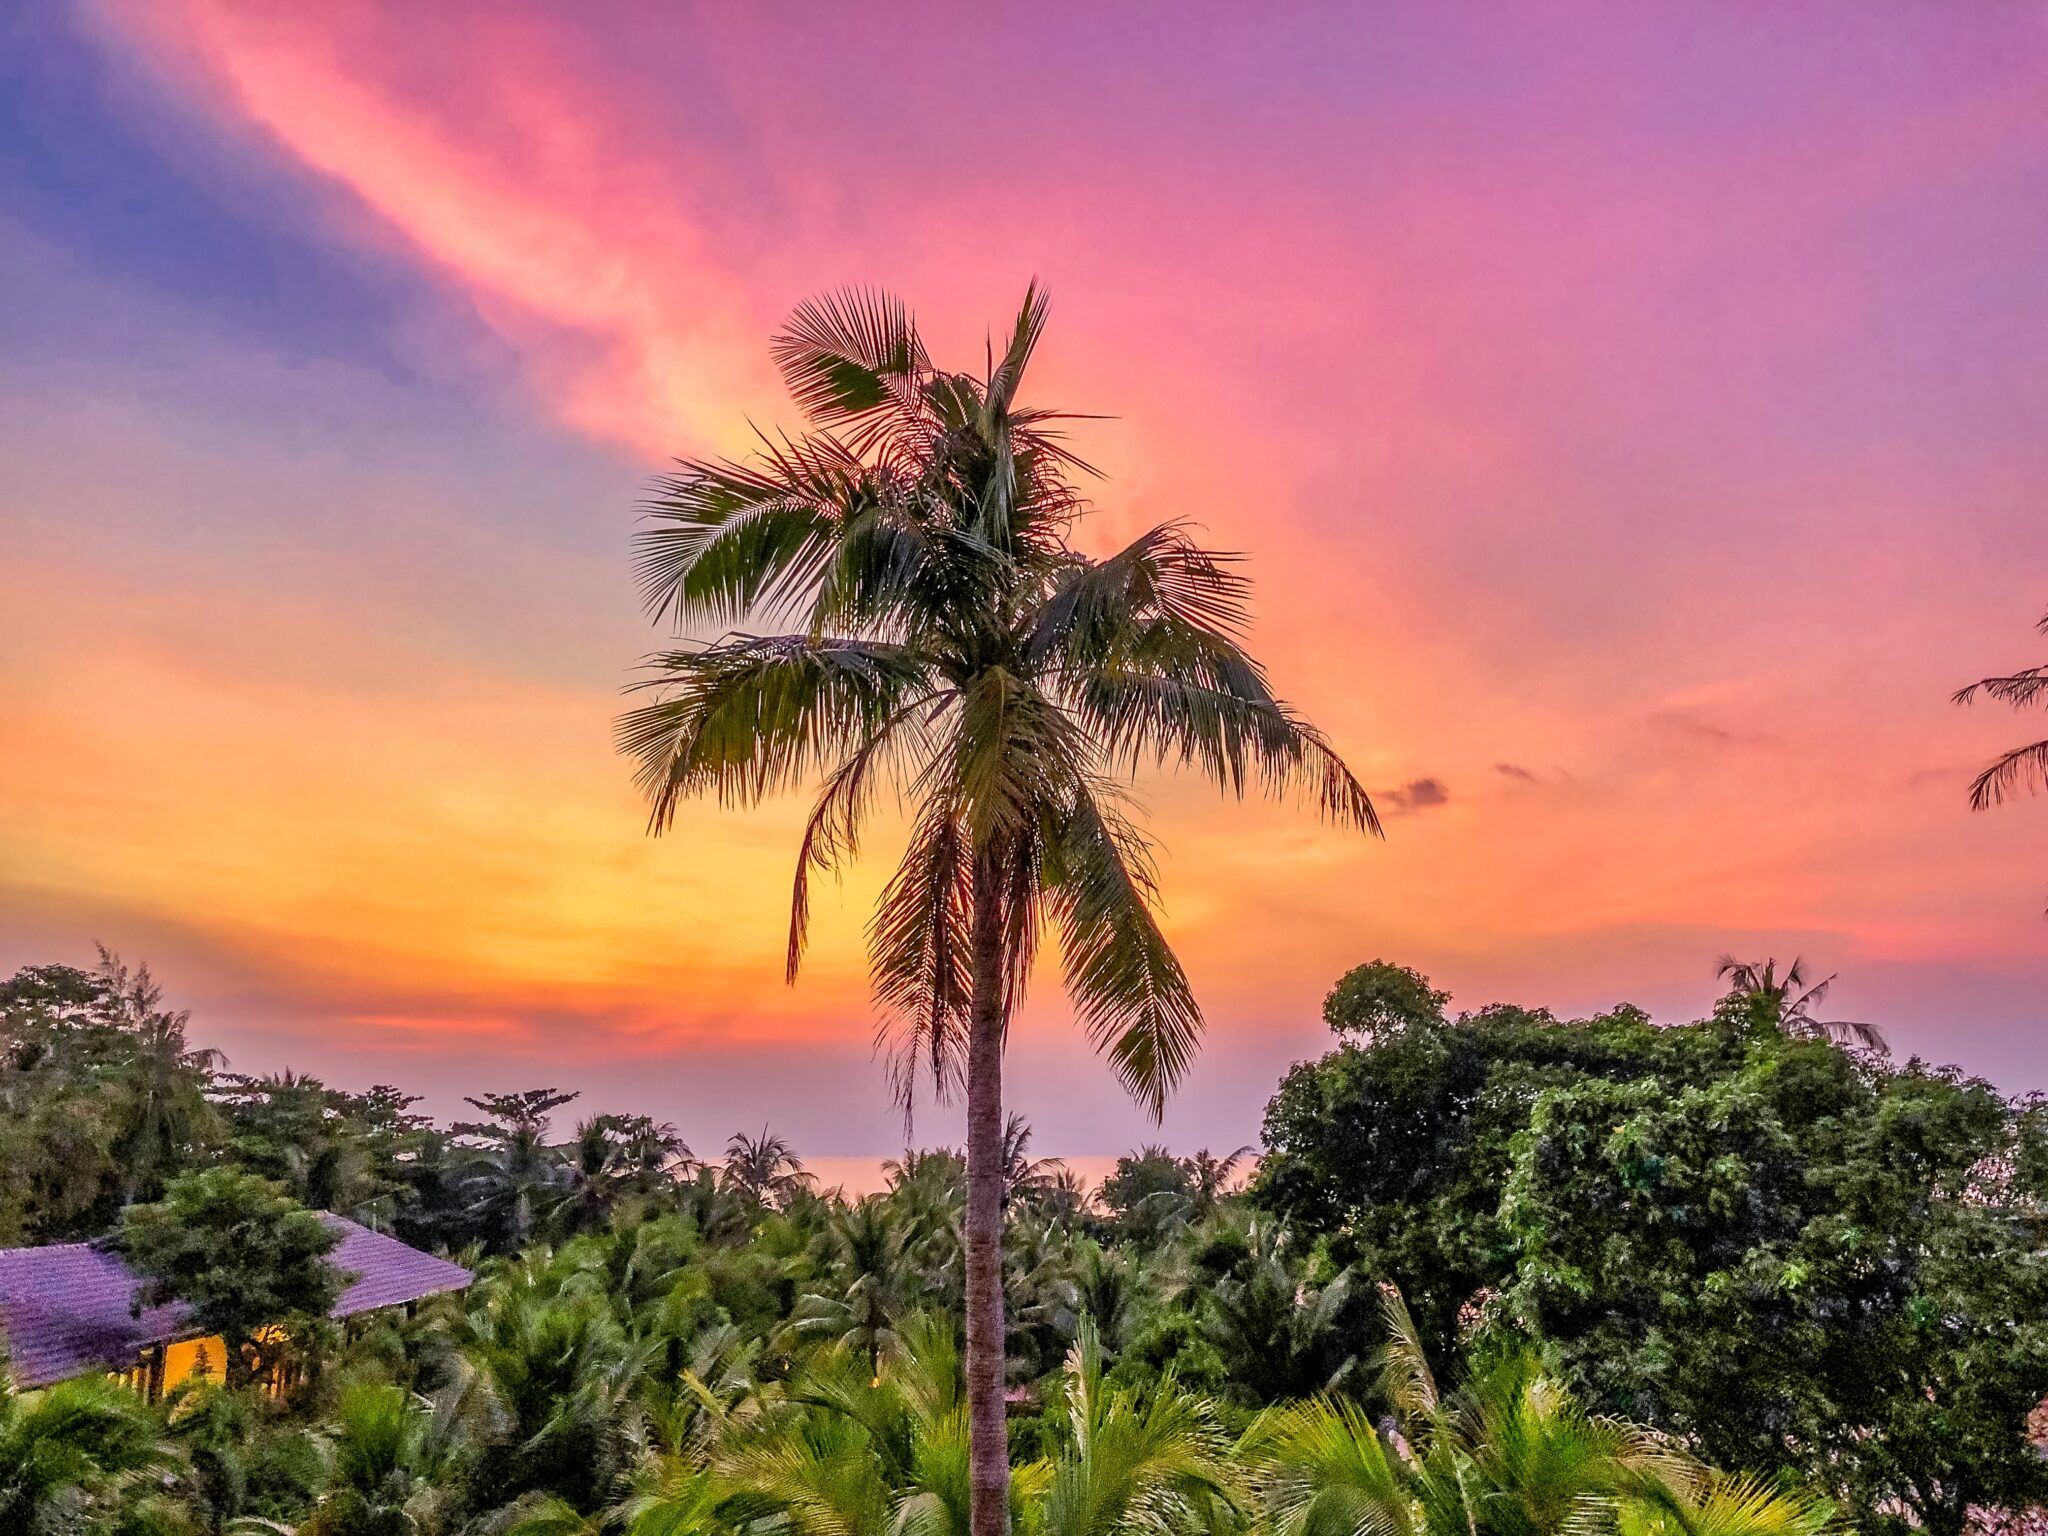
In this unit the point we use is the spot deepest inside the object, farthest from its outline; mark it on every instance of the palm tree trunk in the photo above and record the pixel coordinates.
(988, 1438)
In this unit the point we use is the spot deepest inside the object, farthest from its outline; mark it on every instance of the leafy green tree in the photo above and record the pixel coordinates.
(950, 640)
(101, 1097)
(1807, 1261)
(326, 1147)
(60, 1106)
(1800, 1267)
(1146, 1175)
(1380, 998)
(168, 1113)
(64, 1449)
(249, 1261)
(1394, 1153)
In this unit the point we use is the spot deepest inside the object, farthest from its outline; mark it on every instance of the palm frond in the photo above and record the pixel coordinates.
(850, 354)
(753, 715)
(918, 951)
(2023, 768)
(832, 834)
(723, 539)
(1129, 991)
(1006, 376)
(1410, 1384)
(1323, 1470)
(1099, 611)
(1232, 740)
(2022, 688)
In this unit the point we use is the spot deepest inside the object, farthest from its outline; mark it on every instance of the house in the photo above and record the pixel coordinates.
(69, 1308)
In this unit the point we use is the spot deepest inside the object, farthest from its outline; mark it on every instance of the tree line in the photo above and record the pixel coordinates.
(1753, 1242)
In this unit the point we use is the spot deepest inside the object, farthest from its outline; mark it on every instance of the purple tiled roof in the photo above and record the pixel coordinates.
(69, 1308)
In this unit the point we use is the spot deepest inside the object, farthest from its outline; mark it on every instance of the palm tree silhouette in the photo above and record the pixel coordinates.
(1787, 1002)
(948, 642)
(2012, 770)
(764, 1168)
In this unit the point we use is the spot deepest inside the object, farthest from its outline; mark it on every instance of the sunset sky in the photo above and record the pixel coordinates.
(1633, 417)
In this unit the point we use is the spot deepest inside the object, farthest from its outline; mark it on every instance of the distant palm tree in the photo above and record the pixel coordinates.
(614, 1156)
(1277, 1337)
(1212, 1175)
(1105, 1290)
(510, 1175)
(2022, 766)
(764, 1168)
(1787, 1002)
(1025, 1178)
(950, 641)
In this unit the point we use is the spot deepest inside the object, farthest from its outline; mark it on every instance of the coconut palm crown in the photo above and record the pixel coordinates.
(944, 643)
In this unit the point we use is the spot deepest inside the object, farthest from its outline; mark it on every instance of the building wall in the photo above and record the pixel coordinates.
(202, 1358)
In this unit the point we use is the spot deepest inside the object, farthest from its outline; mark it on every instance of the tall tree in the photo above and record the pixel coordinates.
(512, 1171)
(946, 639)
(167, 1080)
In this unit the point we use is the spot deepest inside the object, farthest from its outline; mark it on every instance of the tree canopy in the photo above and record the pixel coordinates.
(1801, 1257)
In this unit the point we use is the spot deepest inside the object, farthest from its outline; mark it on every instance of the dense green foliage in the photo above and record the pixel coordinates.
(1625, 1247)
(1801, 1258)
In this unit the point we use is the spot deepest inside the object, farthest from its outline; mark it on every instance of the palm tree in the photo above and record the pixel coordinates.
(168, 1109)
(1158, 1462)
(561, 1378)
(1788, 1002)
(1105, 1290)
(63, 1446)
(853, 1454)
(511, 1173)
(947, 639)
(2012, 770)
(613, 1156)
(1212, 1176)
(865, 1246)
(1277, 1337)
(764, 1168)
(1025, 1178)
